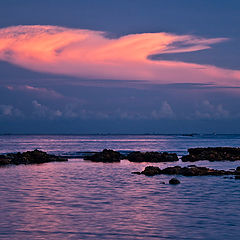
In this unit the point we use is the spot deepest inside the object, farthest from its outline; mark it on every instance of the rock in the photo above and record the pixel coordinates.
(212, 154)
(194, 171)
(238, 169)
(29, 157)
(106, 155)
(237, 177)
(152, 157)
(138, 173)
(151, 171)
(4, 160)
(171, 170)
(174, 181)
(186, 171)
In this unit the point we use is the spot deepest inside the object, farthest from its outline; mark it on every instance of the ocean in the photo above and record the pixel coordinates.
(85, 200)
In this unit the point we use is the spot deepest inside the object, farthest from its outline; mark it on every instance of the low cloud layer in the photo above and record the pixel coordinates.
(9, 111)
(93, 55)
(35, 90)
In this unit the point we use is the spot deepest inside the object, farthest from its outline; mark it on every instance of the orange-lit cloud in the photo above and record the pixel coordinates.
(91, 54)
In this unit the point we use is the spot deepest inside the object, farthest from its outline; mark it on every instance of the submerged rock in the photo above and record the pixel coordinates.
(152, 157)
(106, 155)
(186, 171)
(174, 181)
(228, 177)
(29, 157)
(212, 154)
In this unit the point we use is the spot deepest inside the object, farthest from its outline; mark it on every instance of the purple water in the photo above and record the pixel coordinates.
(73, 145)
(85, 200)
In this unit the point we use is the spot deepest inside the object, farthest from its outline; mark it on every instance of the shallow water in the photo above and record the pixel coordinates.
(85, 200)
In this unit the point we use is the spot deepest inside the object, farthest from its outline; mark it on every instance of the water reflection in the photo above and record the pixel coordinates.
(84, 200)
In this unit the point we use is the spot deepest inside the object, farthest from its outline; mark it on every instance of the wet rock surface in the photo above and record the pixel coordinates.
(106, 155)
(212, 154)
(29, 157)
(4, 160)
(151, 171)
(174, 181)
(152, 157)
(186, 171)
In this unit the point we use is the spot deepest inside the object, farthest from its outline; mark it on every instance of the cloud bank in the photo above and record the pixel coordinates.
(93, 55)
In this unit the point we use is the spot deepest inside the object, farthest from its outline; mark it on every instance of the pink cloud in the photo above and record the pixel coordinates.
(91, 54)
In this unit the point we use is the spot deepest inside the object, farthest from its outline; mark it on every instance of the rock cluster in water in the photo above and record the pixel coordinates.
(186, 171)
(107, 155)
(152, 157)
(29, 157)
(212, 154)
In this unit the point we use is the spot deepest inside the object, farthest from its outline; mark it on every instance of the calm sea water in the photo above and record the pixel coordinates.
(85, 200)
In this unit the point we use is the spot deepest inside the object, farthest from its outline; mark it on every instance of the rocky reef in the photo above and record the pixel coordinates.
(212, 154)
(107, 155)
(186, 171)
(152, 157)
(29, 157)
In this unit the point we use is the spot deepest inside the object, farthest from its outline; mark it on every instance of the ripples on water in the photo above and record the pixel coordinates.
(84, 200)
(74, 144)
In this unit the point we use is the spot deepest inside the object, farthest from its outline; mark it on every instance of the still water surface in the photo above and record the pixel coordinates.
(74, 144)
(84, 200)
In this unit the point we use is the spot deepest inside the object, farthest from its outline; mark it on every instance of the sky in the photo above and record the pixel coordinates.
(139, 66)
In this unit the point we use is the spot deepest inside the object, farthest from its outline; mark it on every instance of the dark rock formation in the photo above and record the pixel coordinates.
(29, 157)
(106, 155)
(238, 169)
(186, 171)
(151, 171)
(4, 160)
(237, 177)
(138, 173)
(194, 171)
(152, 157)
(174, 181)
(212, 154)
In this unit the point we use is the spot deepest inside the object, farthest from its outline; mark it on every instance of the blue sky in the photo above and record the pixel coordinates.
(33, 100)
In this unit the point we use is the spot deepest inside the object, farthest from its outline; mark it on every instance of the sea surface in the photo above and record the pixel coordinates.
(85, 200)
